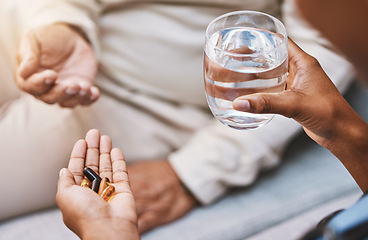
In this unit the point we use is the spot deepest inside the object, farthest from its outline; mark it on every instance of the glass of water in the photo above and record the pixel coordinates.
(245, 52)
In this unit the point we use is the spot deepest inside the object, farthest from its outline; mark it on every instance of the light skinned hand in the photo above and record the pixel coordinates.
(312, 99)
(159, 195)
(57, 65)
(84, 211)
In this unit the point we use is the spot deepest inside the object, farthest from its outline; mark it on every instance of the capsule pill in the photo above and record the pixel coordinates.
(108, 193)
(86, 183)
(104, 184)
(93, 177)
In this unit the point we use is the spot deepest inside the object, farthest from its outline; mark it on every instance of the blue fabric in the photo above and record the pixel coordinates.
(350, 224)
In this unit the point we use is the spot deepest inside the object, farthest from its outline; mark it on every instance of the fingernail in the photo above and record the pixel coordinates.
(48, 81)
(71, 91)
(242, 105)
(95, 93)
(61, 172)
(82, 92)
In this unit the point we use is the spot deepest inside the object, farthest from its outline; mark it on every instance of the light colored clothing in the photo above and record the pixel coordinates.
(152, 105)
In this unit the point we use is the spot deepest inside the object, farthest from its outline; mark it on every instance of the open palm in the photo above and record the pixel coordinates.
(57, 65)
(83, 207)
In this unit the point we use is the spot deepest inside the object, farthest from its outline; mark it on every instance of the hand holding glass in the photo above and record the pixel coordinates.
(245, 53)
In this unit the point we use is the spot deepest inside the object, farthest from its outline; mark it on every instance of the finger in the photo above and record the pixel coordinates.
(74, 101)
(297, 57)
(120, 173)
(105, 159)
(294, 50)
(284, 103)
(39, 83)
(60, 92)
(28, 56)
(87, 94)
(70, 103)
(94, 95)
(77, 159)
(83, 97)
(66, 180)
(93, 149)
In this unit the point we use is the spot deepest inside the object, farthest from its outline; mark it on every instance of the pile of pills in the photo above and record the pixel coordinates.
(101, 186)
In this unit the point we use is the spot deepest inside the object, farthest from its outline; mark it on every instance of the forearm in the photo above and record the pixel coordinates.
(350, 146)
(349, 142)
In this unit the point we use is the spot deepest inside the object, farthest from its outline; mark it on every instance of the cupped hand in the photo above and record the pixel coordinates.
(84, 211)
(57, 65)
(159, 195)
(311, 98)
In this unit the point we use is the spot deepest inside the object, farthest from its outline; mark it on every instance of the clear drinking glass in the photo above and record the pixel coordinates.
(245, 52)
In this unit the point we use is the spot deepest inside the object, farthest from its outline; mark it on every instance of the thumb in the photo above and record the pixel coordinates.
(28, 56)
(66, 180)
(284, 103)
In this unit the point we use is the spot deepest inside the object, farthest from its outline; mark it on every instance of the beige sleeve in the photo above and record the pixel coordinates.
(217, 158)
(83, 14)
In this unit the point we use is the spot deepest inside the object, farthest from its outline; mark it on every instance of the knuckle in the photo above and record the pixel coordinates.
(262, 105)
(312, 62)
(293, 113)
(297, 111)
(77, 174)
(105, 169)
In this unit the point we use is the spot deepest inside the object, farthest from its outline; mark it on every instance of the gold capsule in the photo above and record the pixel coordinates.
(86, 183)
(104, 184)
(108, 193)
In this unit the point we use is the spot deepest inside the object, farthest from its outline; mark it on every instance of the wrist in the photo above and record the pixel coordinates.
(185, 190)
(350, 146)
(109, 229)
(343, 125)
(350, 133)
(189, 193)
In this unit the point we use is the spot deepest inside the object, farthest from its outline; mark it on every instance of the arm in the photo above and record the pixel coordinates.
(314, 101)
(217, 157)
